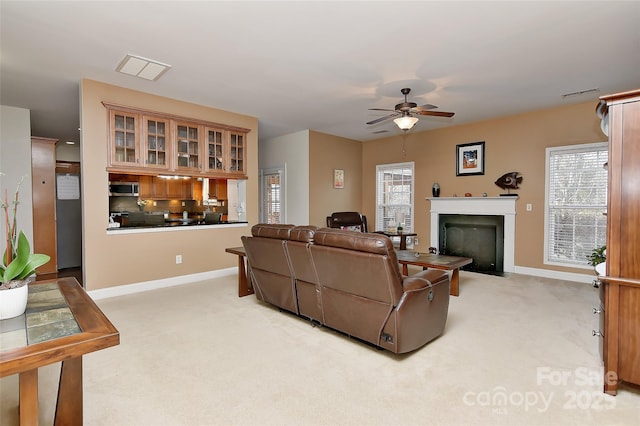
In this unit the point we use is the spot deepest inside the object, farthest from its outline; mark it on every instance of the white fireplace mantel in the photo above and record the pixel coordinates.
(494, 206)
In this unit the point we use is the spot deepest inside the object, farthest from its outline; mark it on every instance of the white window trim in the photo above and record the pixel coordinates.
(549, 151)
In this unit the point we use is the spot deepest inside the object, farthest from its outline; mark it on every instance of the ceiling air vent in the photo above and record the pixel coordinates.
(142, 67)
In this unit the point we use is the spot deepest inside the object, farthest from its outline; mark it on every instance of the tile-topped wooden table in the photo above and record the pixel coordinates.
(435, 261)
(61, 323)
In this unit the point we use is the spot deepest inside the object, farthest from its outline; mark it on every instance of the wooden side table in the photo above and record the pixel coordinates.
(26, 348)
(403, 237)
(244, 282)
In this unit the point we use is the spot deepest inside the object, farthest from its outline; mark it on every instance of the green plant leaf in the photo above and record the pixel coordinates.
(15, 268)
(35, 261)
(24, 249)
(25, 263)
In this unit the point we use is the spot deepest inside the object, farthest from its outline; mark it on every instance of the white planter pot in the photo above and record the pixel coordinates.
(13, 302)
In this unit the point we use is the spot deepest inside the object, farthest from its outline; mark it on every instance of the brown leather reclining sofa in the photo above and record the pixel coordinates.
(349, 281)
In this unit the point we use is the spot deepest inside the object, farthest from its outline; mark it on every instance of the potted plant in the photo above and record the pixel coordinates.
(597, 256)
(18, 265)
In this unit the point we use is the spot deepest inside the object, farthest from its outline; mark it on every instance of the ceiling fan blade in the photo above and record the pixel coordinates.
(380, 109)
(381, 119)
(424, 107)
(436, 113)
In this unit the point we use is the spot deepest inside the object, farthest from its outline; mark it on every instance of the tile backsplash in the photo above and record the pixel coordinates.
(122, 204)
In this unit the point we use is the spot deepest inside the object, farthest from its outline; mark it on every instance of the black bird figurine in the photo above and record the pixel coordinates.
(509, 181)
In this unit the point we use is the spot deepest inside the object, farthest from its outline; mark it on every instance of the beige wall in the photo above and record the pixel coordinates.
(113, 260)
(515, 143)
(326, 153)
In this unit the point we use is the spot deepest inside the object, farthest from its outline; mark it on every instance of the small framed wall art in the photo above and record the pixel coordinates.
(470, 159)
(338, 178)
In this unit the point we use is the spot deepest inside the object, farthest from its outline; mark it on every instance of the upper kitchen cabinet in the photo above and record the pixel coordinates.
(148, 142)
(237, 153)
(188, 148)
(215, 151)
(157, 143)
(124, 143)
(225, 152)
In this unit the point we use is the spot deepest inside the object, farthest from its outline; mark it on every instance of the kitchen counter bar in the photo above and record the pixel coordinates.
(174, 226)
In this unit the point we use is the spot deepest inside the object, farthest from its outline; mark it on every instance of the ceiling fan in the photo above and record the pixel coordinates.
(404, 112)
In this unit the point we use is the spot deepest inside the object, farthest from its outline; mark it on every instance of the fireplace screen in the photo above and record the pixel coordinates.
(479, 237)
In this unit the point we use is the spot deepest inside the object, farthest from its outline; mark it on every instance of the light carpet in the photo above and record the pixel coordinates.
(516, 350)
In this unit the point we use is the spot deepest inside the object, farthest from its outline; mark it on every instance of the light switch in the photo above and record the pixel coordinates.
(529, 207)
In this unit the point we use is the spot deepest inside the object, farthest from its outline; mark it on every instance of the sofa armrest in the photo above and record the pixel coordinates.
(422, 279)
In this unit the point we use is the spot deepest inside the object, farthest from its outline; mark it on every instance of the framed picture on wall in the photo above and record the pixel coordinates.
(338, 178)
(470, 159)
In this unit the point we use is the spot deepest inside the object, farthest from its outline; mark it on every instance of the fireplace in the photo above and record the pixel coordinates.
(480, 237)
(502, 211)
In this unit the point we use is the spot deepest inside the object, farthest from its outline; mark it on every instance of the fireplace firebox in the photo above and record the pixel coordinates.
(504, 207)
(480, 237)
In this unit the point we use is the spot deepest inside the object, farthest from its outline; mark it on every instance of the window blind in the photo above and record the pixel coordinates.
(271, 196)
(394, 195)
(576, 202)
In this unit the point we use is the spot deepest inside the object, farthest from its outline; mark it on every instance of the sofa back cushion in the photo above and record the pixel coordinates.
(299, 254)
(271, 230)
(271, 273)
(304, 271)
(359, 278)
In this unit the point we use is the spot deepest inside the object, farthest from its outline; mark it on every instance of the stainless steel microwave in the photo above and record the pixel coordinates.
(123, 189)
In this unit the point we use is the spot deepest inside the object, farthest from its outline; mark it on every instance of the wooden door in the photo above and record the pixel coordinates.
(43, 175)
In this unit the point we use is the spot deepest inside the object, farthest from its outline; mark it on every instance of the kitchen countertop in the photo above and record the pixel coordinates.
(177, 223)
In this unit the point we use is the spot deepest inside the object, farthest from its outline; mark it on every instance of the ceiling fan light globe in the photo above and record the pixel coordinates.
(406, 122)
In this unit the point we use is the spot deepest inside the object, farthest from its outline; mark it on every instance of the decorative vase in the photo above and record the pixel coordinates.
(435, 190)
(13, 301)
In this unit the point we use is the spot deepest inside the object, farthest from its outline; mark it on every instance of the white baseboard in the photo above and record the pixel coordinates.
(121, 290)
(558, 275)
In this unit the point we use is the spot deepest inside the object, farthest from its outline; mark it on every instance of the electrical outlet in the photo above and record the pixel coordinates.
(416, 241)
(184, 204)
(529, 207)
(155, 204)
(178, 259)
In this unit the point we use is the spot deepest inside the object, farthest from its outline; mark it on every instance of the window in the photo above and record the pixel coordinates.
(272, 190)
(576, 199)
(394, 199)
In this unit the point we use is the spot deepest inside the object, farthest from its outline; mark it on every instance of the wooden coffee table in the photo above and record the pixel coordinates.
(435, 261)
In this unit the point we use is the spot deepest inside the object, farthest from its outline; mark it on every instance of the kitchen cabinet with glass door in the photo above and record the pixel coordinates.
(225, 152)
(237, 153)
(188, 153)
(157, 146)
(215, 150)
(124, 144)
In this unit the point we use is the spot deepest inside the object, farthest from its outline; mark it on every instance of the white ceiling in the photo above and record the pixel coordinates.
(321, 65)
